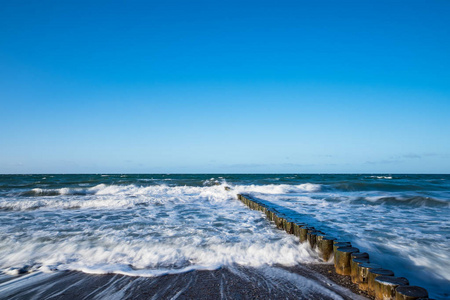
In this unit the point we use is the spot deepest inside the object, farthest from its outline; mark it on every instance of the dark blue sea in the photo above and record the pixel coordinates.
(158, 225)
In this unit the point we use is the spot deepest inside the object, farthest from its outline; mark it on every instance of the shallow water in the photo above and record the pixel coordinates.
(153, 225)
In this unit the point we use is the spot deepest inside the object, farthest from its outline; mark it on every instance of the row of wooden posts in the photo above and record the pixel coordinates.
(348, 261)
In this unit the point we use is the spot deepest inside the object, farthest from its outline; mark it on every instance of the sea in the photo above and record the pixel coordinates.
(150, 226)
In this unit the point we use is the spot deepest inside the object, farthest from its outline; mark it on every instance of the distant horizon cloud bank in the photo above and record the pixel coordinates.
(401, 164)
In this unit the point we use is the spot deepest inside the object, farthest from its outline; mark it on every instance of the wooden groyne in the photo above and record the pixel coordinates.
(348, 261)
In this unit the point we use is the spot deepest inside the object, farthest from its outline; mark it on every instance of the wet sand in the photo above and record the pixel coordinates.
(316, 281)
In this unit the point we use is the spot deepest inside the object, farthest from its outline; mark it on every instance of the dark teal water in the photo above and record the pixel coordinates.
(149, 225)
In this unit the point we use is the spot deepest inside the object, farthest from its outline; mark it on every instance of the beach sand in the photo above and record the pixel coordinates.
(311, 281)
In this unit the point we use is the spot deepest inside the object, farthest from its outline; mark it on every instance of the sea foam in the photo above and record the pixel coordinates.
(143, 230)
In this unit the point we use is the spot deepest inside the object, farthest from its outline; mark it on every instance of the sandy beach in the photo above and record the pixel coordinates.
(316, 281)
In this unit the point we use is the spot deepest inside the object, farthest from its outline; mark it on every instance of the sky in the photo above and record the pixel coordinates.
(225, 86)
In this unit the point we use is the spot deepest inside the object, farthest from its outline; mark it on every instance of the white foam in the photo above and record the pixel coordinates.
(278, 188)
(112, 196)
(120, 196)
(381, 177)
(129, 195)
(145, 231)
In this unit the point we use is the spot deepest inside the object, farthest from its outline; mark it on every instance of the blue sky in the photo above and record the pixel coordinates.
(224, 86)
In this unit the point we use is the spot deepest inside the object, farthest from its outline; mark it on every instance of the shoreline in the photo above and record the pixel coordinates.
(236, 282)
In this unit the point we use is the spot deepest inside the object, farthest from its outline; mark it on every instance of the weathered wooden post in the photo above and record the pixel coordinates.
(304, 233)
(407, 292)
(354, 263)
(342, 259)
(325, 246)
(279, 222)
(288, 226)
(311, 237)
(374, 273)
(297, 227)
(384, 286)
(363, 274)
(337, 244)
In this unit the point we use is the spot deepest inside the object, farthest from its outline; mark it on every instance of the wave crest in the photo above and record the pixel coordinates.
(410, 201)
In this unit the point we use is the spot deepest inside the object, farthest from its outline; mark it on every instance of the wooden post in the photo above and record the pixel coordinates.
(337, 244)
(288, 226)
(374, 273)
(384, 286)
(354, 263)
(407, 292)
(325, 245)
(304, 233)
(363, 274)
(279, 222)
(342, 259)
(311, 237)
(297, 227)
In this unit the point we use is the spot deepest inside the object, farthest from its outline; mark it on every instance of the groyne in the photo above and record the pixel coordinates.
(348, 261)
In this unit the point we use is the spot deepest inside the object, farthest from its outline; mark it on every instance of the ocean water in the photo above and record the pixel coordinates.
(155, 225)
